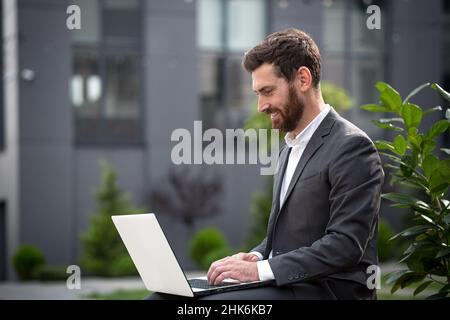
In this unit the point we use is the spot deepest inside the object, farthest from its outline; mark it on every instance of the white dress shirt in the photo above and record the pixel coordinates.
(298, 145)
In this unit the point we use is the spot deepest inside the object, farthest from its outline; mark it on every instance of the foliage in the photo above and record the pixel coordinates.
(203, 243)
(188, 195)
(104, 252)
(26, 260)
(260, 211)
(388, 249)
(50, 273)
(335, 96)
(416, 165)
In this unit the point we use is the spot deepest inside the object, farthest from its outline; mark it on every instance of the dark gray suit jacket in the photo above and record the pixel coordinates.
(327, 225)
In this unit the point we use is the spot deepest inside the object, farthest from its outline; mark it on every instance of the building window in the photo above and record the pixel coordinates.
(225, 30)
(106, 79)
(353, 56)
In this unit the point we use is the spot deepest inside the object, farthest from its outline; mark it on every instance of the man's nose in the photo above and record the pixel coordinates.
(262, 105)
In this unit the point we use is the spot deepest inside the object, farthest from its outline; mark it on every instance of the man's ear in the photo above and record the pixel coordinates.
(304, 79)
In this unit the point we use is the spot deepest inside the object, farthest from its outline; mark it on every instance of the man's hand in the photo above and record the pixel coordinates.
(246, 256)
(234, 267)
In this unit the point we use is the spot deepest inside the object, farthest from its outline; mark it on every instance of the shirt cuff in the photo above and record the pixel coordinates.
(258, 254)
(264, 270)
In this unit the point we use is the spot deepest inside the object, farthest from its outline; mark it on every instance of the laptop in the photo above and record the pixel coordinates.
(157, 264)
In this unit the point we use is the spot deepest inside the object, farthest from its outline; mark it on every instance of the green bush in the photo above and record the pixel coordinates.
(123, 266)
(26, 260)
(215, 255)
(386, 249)
(203, 243)
(104, 253)
(50, 273)
(260, 211)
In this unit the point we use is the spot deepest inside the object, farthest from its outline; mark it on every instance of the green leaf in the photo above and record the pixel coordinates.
(388, 126)
(415, 91)
(429, 164)
(443, 253)
(429, 111)
(395, 275)
(391, 99)
(381, 86)
(442, 92)
(375, 108)
(438, 128)
(402, 198)
(412, 115)
(445, 288)
(406, 279)
(391, 120)
(447, 114)
(413, 231)
(400, 144)
(428, 146)
(414, 138)
(384, 145)
(422, 287)
(440, 178)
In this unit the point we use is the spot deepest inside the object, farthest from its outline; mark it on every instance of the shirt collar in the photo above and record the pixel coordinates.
(305, 135)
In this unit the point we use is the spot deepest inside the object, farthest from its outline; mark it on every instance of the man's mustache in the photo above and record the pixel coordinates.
(270, 110)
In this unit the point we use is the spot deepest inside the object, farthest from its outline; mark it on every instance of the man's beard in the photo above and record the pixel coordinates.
(290, 114)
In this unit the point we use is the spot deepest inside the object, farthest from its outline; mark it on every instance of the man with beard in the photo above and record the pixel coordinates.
(322, 231)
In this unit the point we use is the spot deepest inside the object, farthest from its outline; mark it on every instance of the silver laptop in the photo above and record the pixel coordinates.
(156, 262)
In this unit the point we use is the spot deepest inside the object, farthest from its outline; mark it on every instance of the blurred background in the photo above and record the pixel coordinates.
(86, 115)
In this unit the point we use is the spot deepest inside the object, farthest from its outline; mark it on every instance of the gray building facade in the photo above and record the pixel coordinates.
(138, 70)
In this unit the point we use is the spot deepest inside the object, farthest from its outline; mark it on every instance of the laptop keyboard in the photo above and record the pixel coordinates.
(203, 284)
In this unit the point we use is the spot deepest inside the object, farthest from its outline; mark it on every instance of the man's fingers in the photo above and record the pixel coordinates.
(216, 272)
(214, 265)
(253, 258)
(223, 276)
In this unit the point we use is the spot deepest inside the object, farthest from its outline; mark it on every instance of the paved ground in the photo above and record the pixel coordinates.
(35, 290)
(58, 290)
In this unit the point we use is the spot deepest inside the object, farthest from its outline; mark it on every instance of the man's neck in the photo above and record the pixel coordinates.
(312, 109)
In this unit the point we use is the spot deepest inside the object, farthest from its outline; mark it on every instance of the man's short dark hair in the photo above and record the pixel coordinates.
(288, 50)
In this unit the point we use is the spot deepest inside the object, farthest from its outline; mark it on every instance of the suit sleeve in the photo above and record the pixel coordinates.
(355, 176)
(261, 248)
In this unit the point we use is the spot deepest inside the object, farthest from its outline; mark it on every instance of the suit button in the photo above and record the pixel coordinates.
(296, 276)
(290, 278)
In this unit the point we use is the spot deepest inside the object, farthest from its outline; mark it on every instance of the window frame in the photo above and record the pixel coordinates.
(225, 56)
(100, 135)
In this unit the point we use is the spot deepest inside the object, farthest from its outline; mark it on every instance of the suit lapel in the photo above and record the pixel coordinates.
(284, 157)
(314, 144)
(279, 180)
